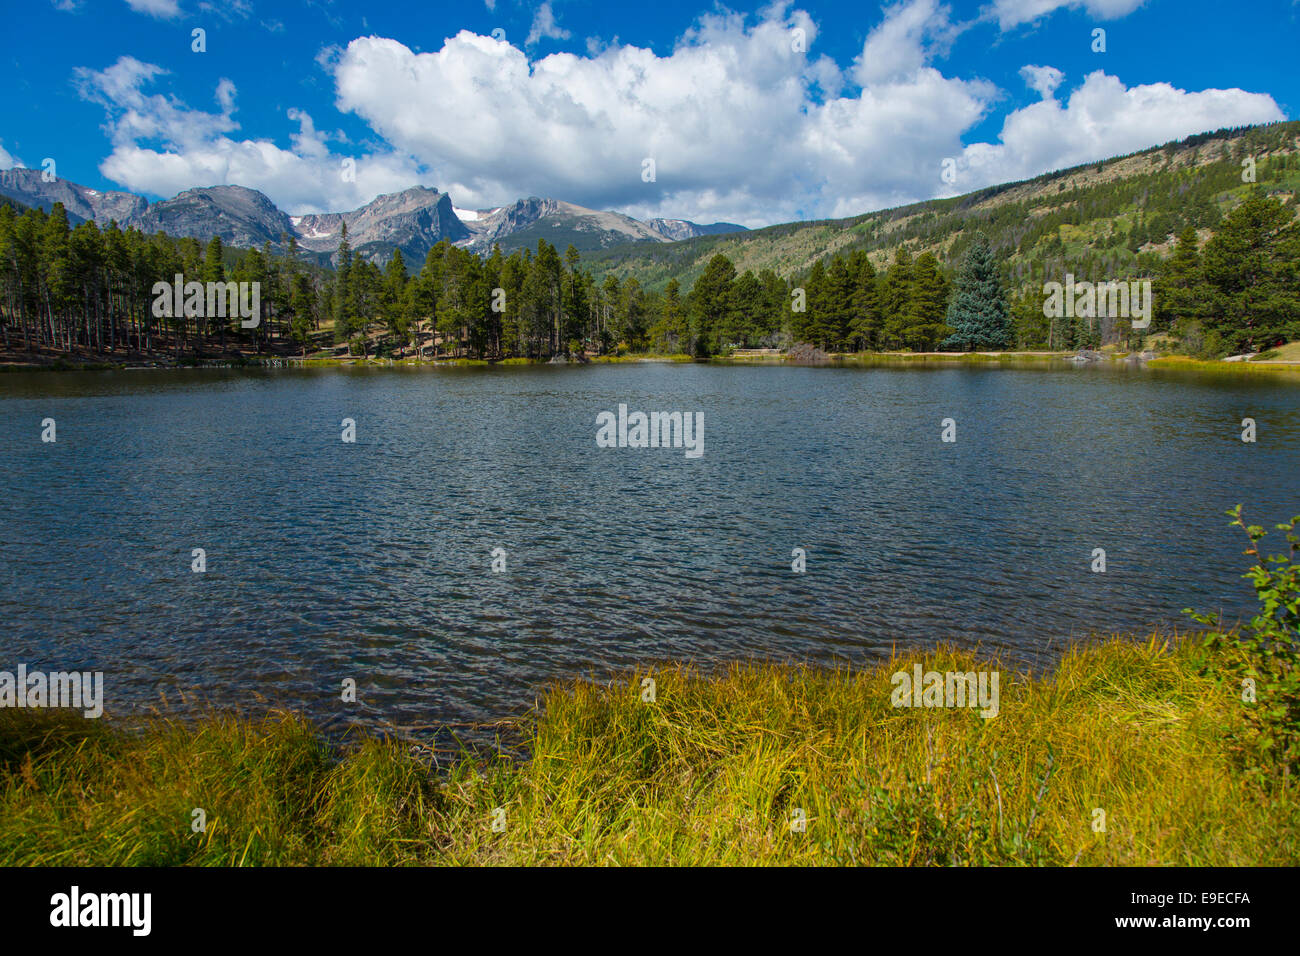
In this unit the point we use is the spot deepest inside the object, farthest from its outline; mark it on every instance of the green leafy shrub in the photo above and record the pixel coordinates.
(1269, 646)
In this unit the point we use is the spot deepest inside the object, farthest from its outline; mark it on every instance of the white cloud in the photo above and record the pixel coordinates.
(162, 9)
(741, 126)
(8, 160)
(226, 96)
(1103, 118)
(228, 10)
(728, 116)
(1011, 13)
(307, 142)
(135, 115)
(162, 147)
(1042, 79)
(544, 26)
(905, 40)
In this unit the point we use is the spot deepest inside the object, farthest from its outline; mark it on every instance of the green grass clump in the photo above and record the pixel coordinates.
(634, 357)
(710, 772)
(1184, 363)
(1285, 353)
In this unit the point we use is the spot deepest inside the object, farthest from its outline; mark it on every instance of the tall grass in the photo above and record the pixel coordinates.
(1187, 364)
(711, 772)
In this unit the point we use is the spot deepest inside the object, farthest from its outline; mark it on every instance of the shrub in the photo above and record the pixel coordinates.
(1270, 646)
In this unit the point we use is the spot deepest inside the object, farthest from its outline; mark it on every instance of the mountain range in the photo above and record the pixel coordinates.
(412, 220)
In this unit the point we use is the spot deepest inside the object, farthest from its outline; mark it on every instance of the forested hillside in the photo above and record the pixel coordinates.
(1099, 218)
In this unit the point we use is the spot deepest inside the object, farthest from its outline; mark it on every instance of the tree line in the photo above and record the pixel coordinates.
(66, 288)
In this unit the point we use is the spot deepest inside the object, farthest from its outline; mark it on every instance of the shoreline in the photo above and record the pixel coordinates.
(760, 764)
(833, 360)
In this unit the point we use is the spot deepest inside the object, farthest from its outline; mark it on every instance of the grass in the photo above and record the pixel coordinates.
(710, 772)
(633, 357)
(1285, 353)
(1185, 363)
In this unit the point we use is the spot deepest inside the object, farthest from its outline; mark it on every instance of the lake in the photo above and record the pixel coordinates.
(372, 559)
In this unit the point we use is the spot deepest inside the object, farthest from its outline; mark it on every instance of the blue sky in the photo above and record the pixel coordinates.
(750, 113)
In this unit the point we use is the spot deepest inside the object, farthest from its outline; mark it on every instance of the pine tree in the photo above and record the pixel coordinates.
(837, 305)
(979, 313)
(865, 326)
(302, 302)
(1251, 263)
(710, 300)
(895, 292)
(344, 303)
(1179, 294)
(393, 299)
(924, 322)
(672, 330)
(631, 308)
(776, 308)
(810, 325)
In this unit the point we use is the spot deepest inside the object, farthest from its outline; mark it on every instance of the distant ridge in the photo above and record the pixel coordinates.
(413, 220)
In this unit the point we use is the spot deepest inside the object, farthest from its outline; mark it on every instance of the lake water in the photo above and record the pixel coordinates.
(372, 560)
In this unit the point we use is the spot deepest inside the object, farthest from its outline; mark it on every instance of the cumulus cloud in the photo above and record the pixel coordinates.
(907, 38)
(1012, 13)
(162, 9)
(743, 123)
(729, 118)
(1103, 118)
(161, 146)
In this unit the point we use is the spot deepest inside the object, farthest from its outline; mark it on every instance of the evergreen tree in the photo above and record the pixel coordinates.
(895, 294)
(1252, 266)
(302, 303)
(632, 314)
(776, 308)
(810, 325)
(710, 301)
(394, 302)
(344, 302)
(837, 306)
(865, 325)
(924, 326)
(1033, 328)
(672, 331)
(979, 313)
(1179, 292)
